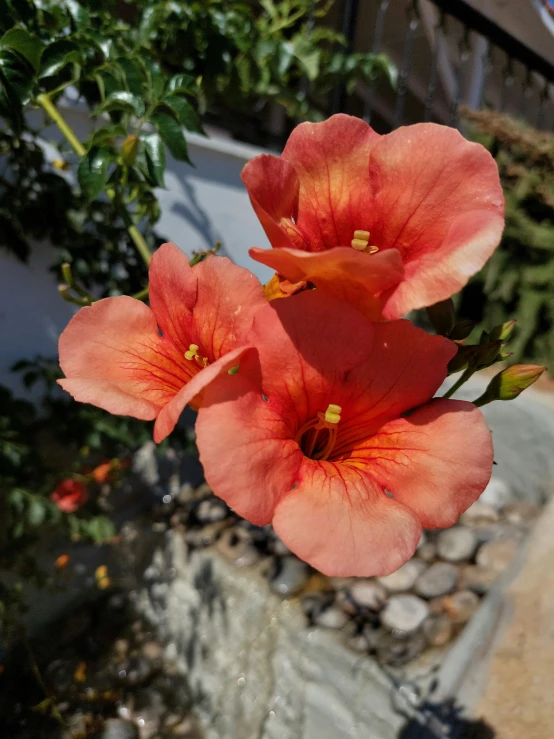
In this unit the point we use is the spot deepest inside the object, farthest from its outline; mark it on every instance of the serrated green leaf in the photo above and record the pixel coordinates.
(185, 113)
(123, 100)
(93, 171)
(181, 83)
(154, 155)
(23, 43)
(171, 132)
(58, 55)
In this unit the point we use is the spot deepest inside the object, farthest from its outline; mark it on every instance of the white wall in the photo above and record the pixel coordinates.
(200, 206)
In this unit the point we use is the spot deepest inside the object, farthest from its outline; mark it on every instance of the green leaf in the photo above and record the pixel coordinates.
(36, 512)
(123, 100)
(23, 43)
(184, 112)
(308, 55)
(171, 132)
(108, 133)
(156, 79)
(181, 83)
(154, 154)
(134, 76)
(79, 14)
(18, 74)
(93, 171)
(100, 529)
(58, 55)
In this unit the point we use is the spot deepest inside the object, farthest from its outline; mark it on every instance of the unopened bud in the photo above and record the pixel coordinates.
(487, 354)
(462, 330)
(511, 382)
(503, 331)
(441, 316)
(129, 149)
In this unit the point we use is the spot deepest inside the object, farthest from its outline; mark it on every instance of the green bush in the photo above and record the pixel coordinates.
(518, 282)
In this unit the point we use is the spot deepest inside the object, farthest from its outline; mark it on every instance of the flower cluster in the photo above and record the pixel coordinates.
(316, 411)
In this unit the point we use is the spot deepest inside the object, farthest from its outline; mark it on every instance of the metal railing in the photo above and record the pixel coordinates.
(469, 59)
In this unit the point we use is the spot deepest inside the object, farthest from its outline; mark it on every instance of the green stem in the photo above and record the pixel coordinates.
(138, 239)
(38, 677)
(142, 294)
(459, 382)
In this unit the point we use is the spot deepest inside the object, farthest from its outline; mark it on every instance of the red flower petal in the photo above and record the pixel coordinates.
(114, 357)
(343, 272)
(437, 461)
(210, 304)
(436, 198)
(246, 449)
(338, 520)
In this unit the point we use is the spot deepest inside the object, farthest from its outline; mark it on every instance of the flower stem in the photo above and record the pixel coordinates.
(459, 382)
(138, 239)
(142, 294)
(38, 677)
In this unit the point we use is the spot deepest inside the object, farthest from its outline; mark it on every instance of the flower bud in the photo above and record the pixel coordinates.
(503, 331)
(129, 149)
(511, 382)
(441, 316)
(462, 330)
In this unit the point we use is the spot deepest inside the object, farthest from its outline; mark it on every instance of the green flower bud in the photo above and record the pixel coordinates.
(511, 382)
(503, 331)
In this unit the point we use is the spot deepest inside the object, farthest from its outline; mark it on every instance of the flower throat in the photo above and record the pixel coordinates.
(317, 436)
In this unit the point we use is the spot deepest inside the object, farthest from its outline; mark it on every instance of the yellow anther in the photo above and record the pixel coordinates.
(332, 414)
(360, 242)
(192, 352)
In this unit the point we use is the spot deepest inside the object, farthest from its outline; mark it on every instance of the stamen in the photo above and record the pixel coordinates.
(192, 354)
(312, 431)
(360, 242)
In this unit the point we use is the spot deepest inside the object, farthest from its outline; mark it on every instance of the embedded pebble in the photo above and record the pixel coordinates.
(211, 510)
(497, 494)
(332, 618)
(456, 544)
(315, 603)
(438, 630)
(461, 606)
(205, 536)
(358, 644)
(237, 549)
(398, 651)
(439, 579)
(479, 513)
(427, 552)
(404, 613)
(118, 728)
(404, 578)
(476, 578)
(521, 513)
(152, 651)
(291, 575)
(367, 594)
(497, 554)
(279, 547)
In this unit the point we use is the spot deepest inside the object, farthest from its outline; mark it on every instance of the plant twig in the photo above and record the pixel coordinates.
(38, 677)
(459, 382)
(138, 239)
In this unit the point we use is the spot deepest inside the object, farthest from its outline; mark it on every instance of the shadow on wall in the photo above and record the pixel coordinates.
(444, 721)
(208, 203)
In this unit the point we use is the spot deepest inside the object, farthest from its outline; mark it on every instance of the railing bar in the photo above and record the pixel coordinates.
(348, 30)
(376, 48)
(514, 48)
(433, 74)
(464, 48)
(413, 22)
